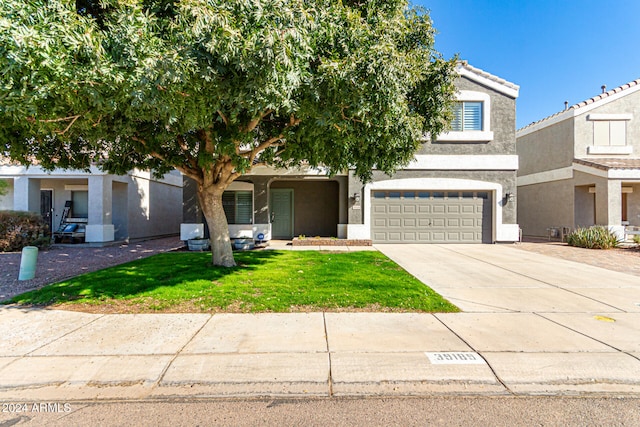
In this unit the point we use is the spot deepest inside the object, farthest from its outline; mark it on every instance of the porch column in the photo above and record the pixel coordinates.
(261, 218)
(356, 228)
(100, 222)
(609, 206)
(26, 194)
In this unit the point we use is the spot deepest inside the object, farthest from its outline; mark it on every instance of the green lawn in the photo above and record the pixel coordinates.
(264, 281)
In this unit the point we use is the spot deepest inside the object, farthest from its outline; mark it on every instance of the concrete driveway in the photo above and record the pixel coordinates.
(501, 278)
(543, 324)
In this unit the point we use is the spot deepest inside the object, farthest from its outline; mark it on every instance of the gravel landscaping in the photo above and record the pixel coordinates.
(61, 262)
(624, 259)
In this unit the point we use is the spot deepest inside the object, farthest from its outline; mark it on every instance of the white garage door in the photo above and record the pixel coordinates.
(430, 216)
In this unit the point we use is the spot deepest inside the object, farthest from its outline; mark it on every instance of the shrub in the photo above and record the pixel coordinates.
(636, 239)
(595, 237)
(20, 229)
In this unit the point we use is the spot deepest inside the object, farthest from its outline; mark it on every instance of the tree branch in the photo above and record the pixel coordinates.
(187, 152)
(344, 116)
(224, 118)
(292, 122)
(61, 119)
(253, 123)
(262, 146)
(271, 142)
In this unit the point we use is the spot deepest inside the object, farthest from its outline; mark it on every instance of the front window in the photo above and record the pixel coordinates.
(80, 207)
(467, 116)
(238, 206)
(471, 119)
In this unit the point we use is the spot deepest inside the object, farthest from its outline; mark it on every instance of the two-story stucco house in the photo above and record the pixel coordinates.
(106, 207)
(460, 188)
(581, 166)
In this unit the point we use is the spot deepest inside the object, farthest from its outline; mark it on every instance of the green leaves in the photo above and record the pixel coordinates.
(197, 84)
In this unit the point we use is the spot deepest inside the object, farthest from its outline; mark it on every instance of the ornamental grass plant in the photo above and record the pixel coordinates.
(594, 237)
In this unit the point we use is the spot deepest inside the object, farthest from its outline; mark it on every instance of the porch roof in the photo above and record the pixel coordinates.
(608, 164)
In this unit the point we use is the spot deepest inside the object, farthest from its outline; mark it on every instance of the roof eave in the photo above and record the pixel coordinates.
(494, 82)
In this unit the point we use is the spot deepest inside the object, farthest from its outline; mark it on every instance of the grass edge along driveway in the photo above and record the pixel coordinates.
(263, 281)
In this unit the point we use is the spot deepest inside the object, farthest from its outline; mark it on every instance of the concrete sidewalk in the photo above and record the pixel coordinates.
(531, 325)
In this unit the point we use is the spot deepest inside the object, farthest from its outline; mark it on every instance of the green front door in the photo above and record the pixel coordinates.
(282, 213)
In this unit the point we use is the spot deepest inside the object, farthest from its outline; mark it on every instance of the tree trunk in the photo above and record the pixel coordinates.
(211, 203)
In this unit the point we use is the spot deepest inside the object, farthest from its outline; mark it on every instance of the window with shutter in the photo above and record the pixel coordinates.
(229, 203)
(467, 116)
(471, 119)
(238, 206)
(244, 207)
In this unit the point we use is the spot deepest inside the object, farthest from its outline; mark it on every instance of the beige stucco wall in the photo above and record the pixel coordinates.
(633, 204)
(607, 197)
(629, 104)
(154, 208)
(554, 147)
(541, 206)
(546, 149)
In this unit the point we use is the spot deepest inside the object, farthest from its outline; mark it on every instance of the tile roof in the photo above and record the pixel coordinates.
(587, 102)
(463, 69)
(481, 73)
(606, 94)
(606, 164)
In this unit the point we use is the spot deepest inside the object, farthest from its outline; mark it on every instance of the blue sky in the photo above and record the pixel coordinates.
(556, 51)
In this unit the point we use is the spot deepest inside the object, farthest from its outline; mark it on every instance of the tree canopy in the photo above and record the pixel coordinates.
(213, 88)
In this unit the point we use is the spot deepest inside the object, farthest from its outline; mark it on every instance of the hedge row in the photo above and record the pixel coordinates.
(20, 229)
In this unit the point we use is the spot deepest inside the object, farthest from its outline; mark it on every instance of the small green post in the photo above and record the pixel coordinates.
(28, 263)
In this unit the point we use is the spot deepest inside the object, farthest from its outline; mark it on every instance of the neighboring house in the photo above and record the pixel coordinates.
(459, 189)
(108, 207)
(581, 166)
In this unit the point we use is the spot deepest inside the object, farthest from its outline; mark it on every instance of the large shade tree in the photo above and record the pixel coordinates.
(214, 88)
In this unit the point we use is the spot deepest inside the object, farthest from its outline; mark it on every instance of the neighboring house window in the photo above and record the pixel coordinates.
(80, 208)
(472, 118)
(609, 133)
(238, 206)
(467, 116)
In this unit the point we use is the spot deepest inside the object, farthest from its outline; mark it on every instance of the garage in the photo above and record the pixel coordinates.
(430, 216)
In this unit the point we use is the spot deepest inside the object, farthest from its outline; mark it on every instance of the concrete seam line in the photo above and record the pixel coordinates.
(533, 278)
(326, 339)
(580, 333)
(631, 354)
(573, 291)
(177, 353)
(501, 267)
(68, 333)
(495, 374)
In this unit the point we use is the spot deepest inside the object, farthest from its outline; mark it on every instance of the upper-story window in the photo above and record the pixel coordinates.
(472, 118)
(467, 116)
(609, 134)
